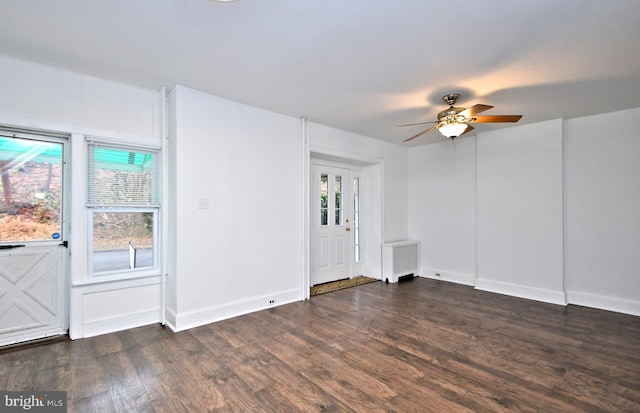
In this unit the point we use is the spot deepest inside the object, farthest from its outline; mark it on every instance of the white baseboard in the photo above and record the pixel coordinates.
(522, 291)
(608, 303)
(454, 277)
(233, 309)
(170, 318)
(602, 302)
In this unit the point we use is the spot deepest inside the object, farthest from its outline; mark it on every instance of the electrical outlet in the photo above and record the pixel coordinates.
(271, 302)
(203, 203)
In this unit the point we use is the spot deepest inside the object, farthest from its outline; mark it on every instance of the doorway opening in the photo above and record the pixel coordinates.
(335, 234)
(345, 219)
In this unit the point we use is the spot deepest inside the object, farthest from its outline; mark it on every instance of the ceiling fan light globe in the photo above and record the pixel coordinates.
(453, 130)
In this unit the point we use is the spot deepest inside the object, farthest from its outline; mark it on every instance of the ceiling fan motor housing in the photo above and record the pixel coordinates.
(449, 112)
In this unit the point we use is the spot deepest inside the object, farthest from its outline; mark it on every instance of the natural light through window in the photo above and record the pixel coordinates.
(123, 200)
(356, 220)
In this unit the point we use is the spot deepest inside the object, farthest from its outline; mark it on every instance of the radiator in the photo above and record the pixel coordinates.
(400, 258)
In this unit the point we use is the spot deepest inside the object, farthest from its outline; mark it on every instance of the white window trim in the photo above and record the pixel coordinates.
(126, 274)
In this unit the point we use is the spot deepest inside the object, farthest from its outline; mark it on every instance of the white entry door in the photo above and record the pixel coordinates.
(33, 253)
(331, 235)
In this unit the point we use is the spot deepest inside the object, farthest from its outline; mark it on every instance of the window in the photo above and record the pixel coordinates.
(31, 169)
(123, 199)
(357, 248)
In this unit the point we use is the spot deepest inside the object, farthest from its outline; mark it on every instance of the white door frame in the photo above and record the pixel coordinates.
(334, 240)
(373, 220)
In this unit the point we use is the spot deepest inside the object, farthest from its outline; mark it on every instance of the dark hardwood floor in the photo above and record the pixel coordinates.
(417, 346)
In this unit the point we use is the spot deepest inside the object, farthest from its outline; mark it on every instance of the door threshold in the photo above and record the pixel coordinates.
(339, 285)
(34, 343)
(329, 282)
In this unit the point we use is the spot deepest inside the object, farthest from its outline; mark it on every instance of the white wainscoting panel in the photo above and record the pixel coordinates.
(102, 308)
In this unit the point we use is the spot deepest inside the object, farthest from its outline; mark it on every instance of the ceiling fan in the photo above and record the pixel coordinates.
(454, 122)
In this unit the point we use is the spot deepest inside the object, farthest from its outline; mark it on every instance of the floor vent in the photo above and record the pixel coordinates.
(407, 277)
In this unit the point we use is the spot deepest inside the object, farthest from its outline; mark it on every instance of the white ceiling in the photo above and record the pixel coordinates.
(364, 66)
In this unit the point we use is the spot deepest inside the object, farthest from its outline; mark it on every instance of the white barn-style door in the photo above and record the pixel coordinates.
(33, 253)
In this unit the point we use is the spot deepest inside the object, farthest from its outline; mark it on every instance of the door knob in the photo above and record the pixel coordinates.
(347, 229)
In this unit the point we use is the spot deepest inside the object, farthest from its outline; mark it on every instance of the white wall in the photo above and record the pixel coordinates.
(46, 98)
(602, 211)
(246, 248)
(557, 211)
(442, 208)
(39, 96)
(519, 215)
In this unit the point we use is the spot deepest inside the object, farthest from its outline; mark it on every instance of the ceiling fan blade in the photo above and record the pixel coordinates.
(475, 109)
(414, 124)
(469, 129)
(499, 118)
(420, 134)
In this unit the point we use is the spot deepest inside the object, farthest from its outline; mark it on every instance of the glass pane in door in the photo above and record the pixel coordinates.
(338, 196)
(324, 199)
(31, 190)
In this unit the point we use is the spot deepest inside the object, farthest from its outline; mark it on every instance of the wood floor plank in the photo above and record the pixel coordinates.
(310, 397)
(185, 383)
(101, 402)
(89, 377)
(348, 390)
(416, 346)
(251, 363)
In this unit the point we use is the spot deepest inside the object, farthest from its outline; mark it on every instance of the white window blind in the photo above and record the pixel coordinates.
(122, 176)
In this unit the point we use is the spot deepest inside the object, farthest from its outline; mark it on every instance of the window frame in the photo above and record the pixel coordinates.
(153, 207)
(47, 138)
